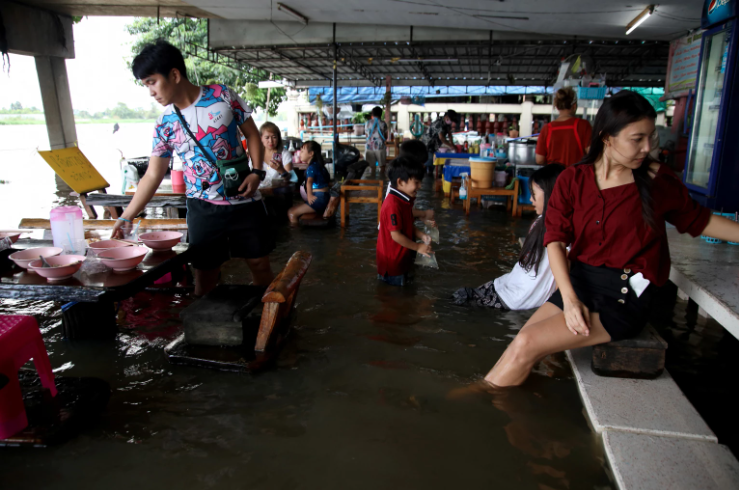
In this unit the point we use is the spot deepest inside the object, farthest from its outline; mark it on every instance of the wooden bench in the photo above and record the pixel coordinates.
(641, 357)
(477, 193)
(360, 191)
(224, 330)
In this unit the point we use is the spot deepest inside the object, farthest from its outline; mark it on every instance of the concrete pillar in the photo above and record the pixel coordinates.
(404, 119)
(527, 118)
(293, 128)
(52, 78)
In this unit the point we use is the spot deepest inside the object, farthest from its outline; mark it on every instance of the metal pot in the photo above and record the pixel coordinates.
(522, 151)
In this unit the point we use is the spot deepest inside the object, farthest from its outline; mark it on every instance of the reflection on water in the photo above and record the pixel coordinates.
(359, 396)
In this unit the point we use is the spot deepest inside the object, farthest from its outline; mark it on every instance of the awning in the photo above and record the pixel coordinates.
(375, 94)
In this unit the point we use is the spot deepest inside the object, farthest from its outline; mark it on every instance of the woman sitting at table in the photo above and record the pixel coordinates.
(278, 162)
(566, 139)
(612, 209)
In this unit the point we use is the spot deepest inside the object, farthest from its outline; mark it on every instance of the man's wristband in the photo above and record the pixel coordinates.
(126, 220)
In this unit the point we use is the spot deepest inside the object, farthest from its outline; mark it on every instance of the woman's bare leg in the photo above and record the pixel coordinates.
(546, 333)
(295, 212)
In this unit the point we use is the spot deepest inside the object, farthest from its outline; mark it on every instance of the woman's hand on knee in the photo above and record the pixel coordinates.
(577, 317)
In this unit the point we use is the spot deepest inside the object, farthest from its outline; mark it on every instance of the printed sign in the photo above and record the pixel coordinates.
(75, 169)
(682, 65)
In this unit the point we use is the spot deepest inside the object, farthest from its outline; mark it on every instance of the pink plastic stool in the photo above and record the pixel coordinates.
(20, 340)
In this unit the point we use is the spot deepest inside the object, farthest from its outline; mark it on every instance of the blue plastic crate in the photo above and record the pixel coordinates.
(591, 93)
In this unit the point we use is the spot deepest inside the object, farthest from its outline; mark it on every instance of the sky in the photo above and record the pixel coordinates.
(98, 76)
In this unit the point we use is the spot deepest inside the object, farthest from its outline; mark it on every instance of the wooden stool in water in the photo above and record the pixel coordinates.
(642, 357)
(360, 191)
(477, 193)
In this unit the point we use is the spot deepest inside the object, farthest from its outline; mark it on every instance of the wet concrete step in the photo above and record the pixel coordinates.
(654, 407)
(646, 462)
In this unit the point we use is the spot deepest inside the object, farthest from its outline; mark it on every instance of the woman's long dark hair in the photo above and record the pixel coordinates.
(615, 114)
(316, 149)
(533, 246)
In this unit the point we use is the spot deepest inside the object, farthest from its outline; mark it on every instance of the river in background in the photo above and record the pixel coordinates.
(28, 188)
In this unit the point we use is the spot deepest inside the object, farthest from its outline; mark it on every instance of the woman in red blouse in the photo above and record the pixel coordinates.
(611, 210)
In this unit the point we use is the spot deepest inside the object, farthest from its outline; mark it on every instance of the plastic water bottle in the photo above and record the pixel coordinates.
(463, 187)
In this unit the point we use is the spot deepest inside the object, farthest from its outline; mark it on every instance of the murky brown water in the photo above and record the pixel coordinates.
(358, 399)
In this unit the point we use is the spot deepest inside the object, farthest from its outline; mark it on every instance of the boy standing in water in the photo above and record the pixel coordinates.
(396, 240)
(201, 124)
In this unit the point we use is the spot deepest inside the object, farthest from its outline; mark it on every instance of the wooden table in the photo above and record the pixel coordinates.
(94, 315)
(477, 193)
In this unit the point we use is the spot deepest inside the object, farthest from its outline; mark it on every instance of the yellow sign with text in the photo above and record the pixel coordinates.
(75, 169)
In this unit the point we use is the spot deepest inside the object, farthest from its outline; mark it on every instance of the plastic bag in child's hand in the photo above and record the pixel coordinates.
(427, 260)
(433, 232)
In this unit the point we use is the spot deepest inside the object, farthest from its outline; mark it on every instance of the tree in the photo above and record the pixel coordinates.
(16, 106)
(184, 33)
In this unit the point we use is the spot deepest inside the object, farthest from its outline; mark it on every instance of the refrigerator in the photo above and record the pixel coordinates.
(712, 161)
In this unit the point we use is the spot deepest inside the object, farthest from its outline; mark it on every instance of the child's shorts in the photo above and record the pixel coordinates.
(402, 280)
(321, 201)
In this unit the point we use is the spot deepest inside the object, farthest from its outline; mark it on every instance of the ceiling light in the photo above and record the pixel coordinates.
(293, 13)
(639, 19)
(506, 17)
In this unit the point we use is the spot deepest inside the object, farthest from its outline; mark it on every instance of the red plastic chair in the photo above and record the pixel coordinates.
(20, 340)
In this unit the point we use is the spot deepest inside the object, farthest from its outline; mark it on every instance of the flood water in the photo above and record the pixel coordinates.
(359, 398)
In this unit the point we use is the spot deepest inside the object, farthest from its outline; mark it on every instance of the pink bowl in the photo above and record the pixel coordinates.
(67, 265)
(123, 258)
(161, 240)
(13, 236)
(23, 257)
(103, 245)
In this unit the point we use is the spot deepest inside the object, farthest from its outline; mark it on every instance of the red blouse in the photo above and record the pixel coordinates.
(606, 227)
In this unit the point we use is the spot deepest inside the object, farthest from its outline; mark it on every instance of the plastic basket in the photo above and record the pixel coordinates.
(591, 93)
(711, 240)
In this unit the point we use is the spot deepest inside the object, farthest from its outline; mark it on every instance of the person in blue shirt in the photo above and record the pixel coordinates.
(317, 181)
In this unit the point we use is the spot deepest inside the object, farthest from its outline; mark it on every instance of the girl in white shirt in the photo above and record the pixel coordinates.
(530, 283)
(278, 162)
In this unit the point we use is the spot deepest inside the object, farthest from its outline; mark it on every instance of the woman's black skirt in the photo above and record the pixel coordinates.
(608, 292)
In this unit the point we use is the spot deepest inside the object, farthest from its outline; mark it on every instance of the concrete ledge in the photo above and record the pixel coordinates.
(645, 462)
(653, 407)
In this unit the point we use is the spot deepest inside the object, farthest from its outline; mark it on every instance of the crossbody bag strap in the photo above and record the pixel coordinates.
(189, 133)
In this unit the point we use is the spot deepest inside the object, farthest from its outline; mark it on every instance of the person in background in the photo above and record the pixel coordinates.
(566, 139)
(316, 184)
(375, 148)
(201, 125)
(531, 282)
(613, 209)
(278, 162)
(439, 133)
(396, 240)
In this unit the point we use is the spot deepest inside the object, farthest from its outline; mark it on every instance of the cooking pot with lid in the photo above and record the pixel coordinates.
(522, 151)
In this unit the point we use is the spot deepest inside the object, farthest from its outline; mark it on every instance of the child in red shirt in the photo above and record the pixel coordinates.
(396, 241)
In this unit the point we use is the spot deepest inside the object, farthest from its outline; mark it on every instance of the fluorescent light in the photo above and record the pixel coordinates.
(639, 19)
(294, 13)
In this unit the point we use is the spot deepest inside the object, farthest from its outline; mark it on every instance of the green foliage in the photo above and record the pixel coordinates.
(122, 112)
(17, 108)
(359, 118)
(186, 33)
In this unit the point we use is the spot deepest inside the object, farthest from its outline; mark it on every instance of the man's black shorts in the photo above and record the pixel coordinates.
(219, 232)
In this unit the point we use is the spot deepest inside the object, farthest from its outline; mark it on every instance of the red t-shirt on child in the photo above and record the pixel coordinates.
(564, 141)
(396, 215)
